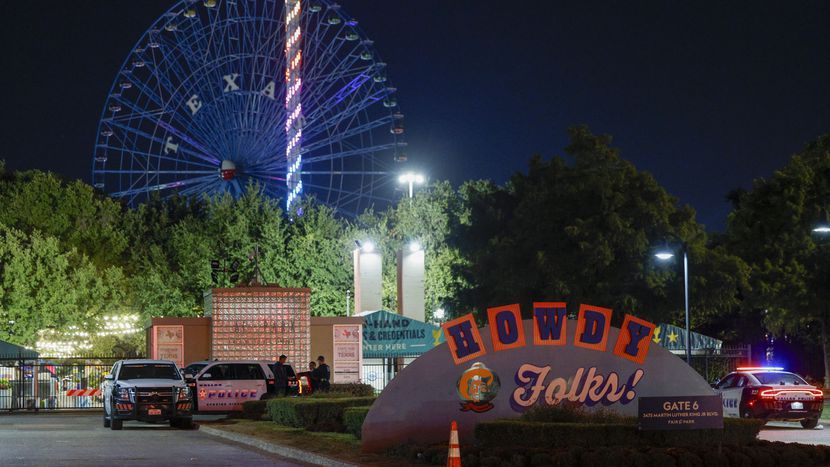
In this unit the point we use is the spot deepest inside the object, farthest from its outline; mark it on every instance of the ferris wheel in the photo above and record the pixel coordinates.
(218, 94)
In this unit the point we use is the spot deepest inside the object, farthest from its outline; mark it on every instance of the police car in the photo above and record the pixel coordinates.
(770, 393)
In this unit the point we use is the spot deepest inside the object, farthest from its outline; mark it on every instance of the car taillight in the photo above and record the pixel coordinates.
(270, 381)
(766, 392)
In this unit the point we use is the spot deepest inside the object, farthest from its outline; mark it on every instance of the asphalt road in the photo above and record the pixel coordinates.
(55, 439)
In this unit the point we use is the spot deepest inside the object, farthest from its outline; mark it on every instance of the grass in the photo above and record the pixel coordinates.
(341, 446)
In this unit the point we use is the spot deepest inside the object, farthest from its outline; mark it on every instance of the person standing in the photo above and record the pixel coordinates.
(323, 373)
(281, 376)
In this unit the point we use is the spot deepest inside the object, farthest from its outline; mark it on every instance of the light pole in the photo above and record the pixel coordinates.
(664, 255)
(411, 178)
(822, 229)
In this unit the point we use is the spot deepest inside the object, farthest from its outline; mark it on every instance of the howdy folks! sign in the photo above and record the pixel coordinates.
(511, 365)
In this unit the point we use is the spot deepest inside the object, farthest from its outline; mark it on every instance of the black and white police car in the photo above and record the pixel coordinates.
(770, 393)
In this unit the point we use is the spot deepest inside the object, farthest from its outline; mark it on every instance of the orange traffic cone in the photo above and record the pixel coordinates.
(454, 457)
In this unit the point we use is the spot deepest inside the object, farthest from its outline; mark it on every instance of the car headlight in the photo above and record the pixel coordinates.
(126, 393)
(184, 393)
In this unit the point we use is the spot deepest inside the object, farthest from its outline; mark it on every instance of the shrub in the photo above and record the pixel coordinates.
(5, 384)
(757, 454)
(347, 390)
(567, 411)
(254, 410)
(353, 419)
(532, 434)
(314, 414)
(593, 434)
(281, 410)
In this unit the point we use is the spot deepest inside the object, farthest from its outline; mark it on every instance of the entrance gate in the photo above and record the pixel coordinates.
(53, 384)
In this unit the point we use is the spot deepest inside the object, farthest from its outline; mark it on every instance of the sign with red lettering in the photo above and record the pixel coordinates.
(348, 353)
(513, 364)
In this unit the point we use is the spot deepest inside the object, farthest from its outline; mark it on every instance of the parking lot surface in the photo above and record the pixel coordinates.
(56, 439)
(791, 432)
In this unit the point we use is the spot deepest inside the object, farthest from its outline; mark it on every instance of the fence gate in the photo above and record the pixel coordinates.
(68, 383)
(716, 363)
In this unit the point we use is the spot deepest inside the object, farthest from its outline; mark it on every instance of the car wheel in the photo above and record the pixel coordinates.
(809, 423)
(116, 424)
(267, 395)
(746, 414)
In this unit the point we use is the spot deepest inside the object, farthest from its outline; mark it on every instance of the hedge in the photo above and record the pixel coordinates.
(756, 454)
(564, 435)
(254, 410)
(353, 420)
(314, 414)
(347, 390)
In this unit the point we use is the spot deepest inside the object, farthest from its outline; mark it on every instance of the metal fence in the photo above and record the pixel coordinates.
(378, 372)
(716, 363)
(51, 384)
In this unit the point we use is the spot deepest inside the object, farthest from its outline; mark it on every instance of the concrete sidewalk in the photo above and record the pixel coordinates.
(274, 448)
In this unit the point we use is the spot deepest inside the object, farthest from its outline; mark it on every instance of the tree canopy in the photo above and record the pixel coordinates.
(583, 228)
(771, 228)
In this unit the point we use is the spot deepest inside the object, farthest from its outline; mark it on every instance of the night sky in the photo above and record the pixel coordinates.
(705, 95)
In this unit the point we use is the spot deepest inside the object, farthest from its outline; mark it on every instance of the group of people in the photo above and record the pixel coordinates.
(318, 374)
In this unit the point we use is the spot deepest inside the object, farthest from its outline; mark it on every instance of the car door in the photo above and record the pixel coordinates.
(106, 389)
(213, 385)
(249, 385)
(731, 394)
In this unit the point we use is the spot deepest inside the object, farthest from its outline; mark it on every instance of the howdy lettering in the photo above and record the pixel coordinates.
(586, 387)
(549, 328)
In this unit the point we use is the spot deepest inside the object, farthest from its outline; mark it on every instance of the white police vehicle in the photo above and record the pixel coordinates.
(770, 393)
(146, 390)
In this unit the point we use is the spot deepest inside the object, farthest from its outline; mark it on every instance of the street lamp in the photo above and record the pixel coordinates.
(411, 178)
(664, 255)
(823, 227)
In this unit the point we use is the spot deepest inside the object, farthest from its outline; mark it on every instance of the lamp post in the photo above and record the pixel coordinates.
(665, 255)
(411, 178)
(822, 229)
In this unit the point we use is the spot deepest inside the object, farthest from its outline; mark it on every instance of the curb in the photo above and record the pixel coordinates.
(274, 448)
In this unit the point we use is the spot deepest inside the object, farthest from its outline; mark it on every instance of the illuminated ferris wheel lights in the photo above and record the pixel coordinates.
(313, 112)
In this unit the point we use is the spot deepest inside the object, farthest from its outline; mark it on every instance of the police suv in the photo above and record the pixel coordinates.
(770, 394)
(146, 390)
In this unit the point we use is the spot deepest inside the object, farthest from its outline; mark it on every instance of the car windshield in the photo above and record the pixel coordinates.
(780, 379)
(194, 368)
(148, 371)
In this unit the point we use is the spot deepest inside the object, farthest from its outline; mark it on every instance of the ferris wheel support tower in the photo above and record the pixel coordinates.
(293, 105)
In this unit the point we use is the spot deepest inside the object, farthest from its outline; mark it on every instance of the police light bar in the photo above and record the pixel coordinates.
(760, 368)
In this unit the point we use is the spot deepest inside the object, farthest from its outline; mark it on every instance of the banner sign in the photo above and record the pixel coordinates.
(514, 364)
(392, 335)
(169, 344)
(674, 338)
(346, 361)
(680, 413)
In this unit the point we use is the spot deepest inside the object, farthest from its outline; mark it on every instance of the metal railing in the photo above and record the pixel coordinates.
(378, 372)
(52, 384)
